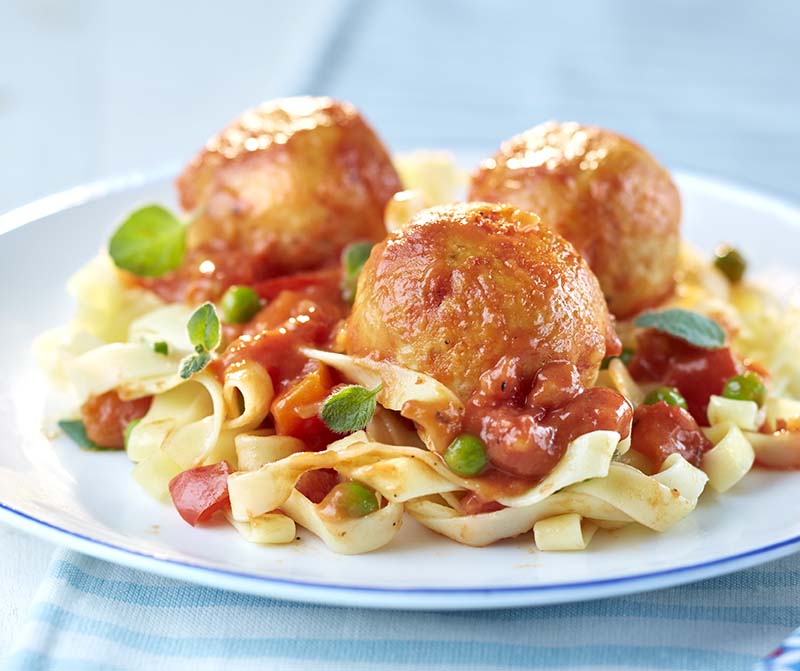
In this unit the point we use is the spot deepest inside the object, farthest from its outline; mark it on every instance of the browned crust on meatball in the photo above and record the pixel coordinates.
(464, 285)
(605, 194)
(301, 177)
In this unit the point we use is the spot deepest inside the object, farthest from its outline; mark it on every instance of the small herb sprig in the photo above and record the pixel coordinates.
(204, 334)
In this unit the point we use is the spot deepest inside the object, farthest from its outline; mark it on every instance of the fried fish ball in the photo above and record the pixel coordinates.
(465, 285)
(299, 178)
(605, 194)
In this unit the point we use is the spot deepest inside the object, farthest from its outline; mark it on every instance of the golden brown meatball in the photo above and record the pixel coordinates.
(603, 193)
(462, 286)
(298, 178)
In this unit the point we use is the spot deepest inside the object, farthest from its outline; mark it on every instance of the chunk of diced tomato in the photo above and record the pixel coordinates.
(200, 492)
(660, 430)
(696, 372)
(106, 416)
(701, 376)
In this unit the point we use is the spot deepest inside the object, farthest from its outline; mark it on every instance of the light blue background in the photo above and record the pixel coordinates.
(91, 88)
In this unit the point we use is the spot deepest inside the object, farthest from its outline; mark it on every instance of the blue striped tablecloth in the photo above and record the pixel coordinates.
(91, 615)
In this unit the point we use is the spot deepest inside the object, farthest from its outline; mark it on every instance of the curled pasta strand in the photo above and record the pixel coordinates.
(250, 385)
(191, 445)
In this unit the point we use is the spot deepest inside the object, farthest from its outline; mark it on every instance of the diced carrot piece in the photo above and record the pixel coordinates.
(296, 411)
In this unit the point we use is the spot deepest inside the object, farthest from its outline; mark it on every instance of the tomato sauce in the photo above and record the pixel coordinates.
(326, 280)
(307, 317)
(207, 272)
(106, 417)
(697, 373)
(526, 426)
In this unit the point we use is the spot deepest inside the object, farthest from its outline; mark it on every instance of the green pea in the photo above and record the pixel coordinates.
(354, 499)
(239, 304)
(730, 262)
(127, 433)
(625, 356)
(748, 386)
(669, 395)
(466, 455)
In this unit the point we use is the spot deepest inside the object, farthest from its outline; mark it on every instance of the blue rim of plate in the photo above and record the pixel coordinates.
(152, 563)
(774, 550)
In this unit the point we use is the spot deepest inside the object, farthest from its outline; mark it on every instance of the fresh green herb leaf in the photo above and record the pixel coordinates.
(149, 243)
(694, 328)
(204, 334)
(350, 408)
(354, 257)
(203, 328)
(127, 433)
(161, 347)
(194, 363)
(76, 430)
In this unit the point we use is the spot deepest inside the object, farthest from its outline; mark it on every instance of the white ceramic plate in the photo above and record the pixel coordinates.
(87, 500)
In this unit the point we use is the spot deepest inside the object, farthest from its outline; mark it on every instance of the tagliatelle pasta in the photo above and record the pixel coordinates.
(487, 528)
(458, 362)
(131, 368)
(260, 447)
(563, 532)
(729, 460)
(174, 409)
(248, 393)
(269, 529)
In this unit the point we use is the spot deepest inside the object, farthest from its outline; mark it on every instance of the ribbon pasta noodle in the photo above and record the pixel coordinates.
(563, 532)
(248, 386)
